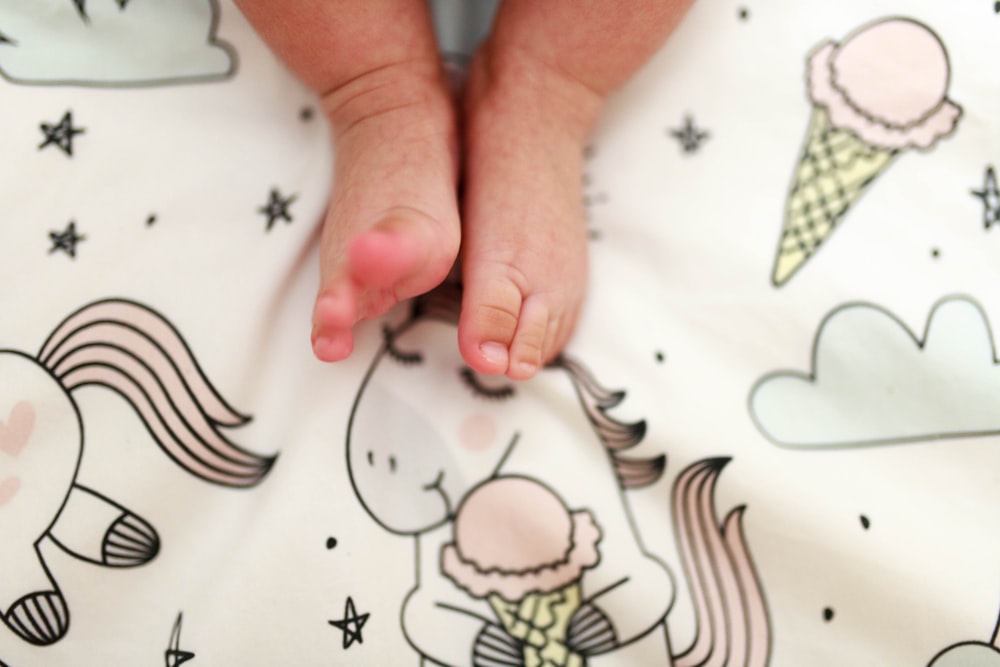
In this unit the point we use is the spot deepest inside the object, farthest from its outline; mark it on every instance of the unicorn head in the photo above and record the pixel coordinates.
(451, 428)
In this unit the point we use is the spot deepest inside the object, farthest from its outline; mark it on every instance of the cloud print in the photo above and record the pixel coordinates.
(875, 382)
(111, 42)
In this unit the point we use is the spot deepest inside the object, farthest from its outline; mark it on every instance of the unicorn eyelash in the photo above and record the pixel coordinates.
(405, 358)
(478, 388)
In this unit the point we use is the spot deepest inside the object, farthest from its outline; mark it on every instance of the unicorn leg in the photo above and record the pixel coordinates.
(96, 529)
(40, 616)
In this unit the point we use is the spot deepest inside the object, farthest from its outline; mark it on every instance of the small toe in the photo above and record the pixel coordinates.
(334, 314)
(529, 347)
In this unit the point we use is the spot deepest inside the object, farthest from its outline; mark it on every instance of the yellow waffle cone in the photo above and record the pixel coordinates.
(541, 622)
(835, 168)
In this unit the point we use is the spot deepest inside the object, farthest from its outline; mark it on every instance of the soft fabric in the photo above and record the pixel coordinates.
(778, 414)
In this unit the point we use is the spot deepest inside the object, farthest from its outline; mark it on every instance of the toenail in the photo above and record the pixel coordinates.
(494, 353)
(526, 369)
(332, 348)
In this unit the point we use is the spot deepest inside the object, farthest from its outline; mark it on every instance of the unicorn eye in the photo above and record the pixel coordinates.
(405, 358)
(479, 388)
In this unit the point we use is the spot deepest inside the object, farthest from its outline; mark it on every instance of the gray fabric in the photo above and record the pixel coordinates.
(461, 24)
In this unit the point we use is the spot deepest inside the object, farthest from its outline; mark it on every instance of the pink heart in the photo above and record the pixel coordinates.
(8, 489)
(14, 434)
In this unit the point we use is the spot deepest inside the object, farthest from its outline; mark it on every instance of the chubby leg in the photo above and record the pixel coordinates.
(392, 227)
(536, 88)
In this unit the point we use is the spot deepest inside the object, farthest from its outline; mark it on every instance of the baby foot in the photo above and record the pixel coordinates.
(524, 247)
(392, 228)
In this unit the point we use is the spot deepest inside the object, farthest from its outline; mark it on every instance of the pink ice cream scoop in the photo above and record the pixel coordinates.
(887, 83)
(513, 536)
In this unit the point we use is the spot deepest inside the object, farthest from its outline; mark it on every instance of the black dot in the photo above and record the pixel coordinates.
(828, 614)
(306, 114)
(935, 253)
(660, 357)
(865, 523)
(744, 13)
(331, 542)
(151, 220)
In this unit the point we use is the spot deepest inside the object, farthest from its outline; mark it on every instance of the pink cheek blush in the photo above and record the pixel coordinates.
(477, 432)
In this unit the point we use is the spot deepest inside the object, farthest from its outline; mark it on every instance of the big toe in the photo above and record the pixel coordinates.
(407, 253)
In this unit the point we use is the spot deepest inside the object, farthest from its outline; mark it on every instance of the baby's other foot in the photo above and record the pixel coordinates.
(524, 247)
(392, 228)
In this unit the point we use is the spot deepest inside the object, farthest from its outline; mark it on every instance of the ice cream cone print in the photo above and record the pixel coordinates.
(519, 548)
(880, 92)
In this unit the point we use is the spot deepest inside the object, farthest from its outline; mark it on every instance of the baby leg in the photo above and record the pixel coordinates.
(536, 87)
(392, 227)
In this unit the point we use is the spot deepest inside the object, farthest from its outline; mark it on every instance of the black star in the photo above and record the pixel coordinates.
(276, 207)
(991, 198)
(66, 240)
(61, 135)
(690, 136)
(351, 624)
(174, 656)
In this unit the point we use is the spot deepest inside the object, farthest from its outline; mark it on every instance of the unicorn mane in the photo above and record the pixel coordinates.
(131, 349)
(617, 436)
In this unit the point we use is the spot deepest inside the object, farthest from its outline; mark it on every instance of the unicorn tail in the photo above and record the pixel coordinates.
(731, 615)
(133, 350)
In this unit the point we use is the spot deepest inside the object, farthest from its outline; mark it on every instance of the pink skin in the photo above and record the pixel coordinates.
(393, 230)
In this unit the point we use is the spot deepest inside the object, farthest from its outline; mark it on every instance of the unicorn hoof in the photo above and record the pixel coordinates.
(41, 618)
(130, 541)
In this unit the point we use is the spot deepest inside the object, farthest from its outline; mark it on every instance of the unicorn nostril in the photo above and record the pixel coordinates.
(392, 464)
(371, 458)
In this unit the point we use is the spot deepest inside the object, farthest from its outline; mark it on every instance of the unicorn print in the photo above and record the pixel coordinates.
(479, 463)
(132, 350)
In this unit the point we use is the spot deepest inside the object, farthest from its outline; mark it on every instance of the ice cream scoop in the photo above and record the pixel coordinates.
(887, 83)
(514, 536)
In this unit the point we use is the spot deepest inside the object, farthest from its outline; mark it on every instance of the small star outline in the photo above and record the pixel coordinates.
(690, 135)
(61, 134)
(990, 195)
(174, 656)
(276, 208)
(351, 624)
(66, 240)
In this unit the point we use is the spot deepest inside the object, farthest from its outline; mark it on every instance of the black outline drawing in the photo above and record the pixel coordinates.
(276, 208)
(919, 341)
(174, 655)
(11, 40)
(835, 166)
(60, 135)
(351, 619)
(66, 240)
(134, 351)
(690, 136)
(970, 653)
(733, 624)
(990, 196)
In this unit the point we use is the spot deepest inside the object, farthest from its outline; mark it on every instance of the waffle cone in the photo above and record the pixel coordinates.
(835, 169)
(541, 622)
